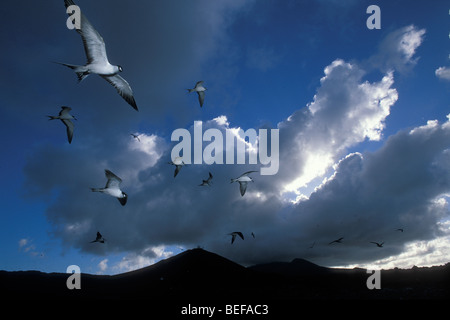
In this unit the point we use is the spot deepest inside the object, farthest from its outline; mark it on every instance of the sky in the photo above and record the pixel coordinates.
(363, 122)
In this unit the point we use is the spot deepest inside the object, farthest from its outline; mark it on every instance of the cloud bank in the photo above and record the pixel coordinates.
(321, 192)
(443, 73)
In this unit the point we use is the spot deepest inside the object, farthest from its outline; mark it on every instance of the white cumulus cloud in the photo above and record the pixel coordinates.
(443, 73)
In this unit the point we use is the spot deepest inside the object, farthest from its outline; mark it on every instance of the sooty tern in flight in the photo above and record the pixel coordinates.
(65, 117)
(200, 89)
(99, 238)
(97, 60)
(378, 244)
(234, 234)
(243, 179)
(208, 181)
(178, 163)
(136, 136)
(112, 188)
(337, 240)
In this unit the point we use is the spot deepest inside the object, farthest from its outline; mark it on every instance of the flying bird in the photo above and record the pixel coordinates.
(234, 234)
(400, 229)
(136, 136)
(208, 181)
(112, 188)
(66, 118)
(178, 163)
(253, 235)
(337, 240)
(312, 246)
(97, 60)
(200, 89)
(99, 238)
(243, 179)
(380, 245)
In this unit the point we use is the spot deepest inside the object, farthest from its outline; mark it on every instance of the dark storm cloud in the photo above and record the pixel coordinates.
(164, 51)
(369, 197)
(163, 47)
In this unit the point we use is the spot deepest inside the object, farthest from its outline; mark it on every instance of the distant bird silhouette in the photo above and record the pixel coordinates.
(112, 188)
(200, 89)
(253, 235)
(399, 229)
(65, 118)
(312, 246)
(337, 240)
(99, 238)
(208, 181)
(243, 179)
(97, 60)
(234, 234)
(378, 244)
(136, 136)
(178, 163)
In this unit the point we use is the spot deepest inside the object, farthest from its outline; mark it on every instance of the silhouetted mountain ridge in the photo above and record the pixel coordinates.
(198, 274)
(294, 268)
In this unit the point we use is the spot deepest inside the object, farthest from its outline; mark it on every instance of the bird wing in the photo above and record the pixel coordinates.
(94, 45)
(199, 83)
(242, 187)
(123, 201)
(64, 111)
(69, 129)
(338, 240)
(123, 88)
(233, 236)
(201, 97)
(113, 180)
(246, 173)
(177, 169)
(210, 178)
(240, 235)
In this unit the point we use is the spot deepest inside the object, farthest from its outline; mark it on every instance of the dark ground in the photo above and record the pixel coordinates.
(200, 278)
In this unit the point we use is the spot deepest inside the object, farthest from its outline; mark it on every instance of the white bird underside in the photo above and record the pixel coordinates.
(243, 180)
(112, 187)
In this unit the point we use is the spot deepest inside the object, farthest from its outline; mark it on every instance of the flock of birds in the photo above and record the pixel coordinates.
(97, 63)
(339, 240)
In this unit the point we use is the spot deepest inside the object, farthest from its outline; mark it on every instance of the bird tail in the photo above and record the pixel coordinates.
(52, 117)
(190, 90)
(81, 71)
(96, 189)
